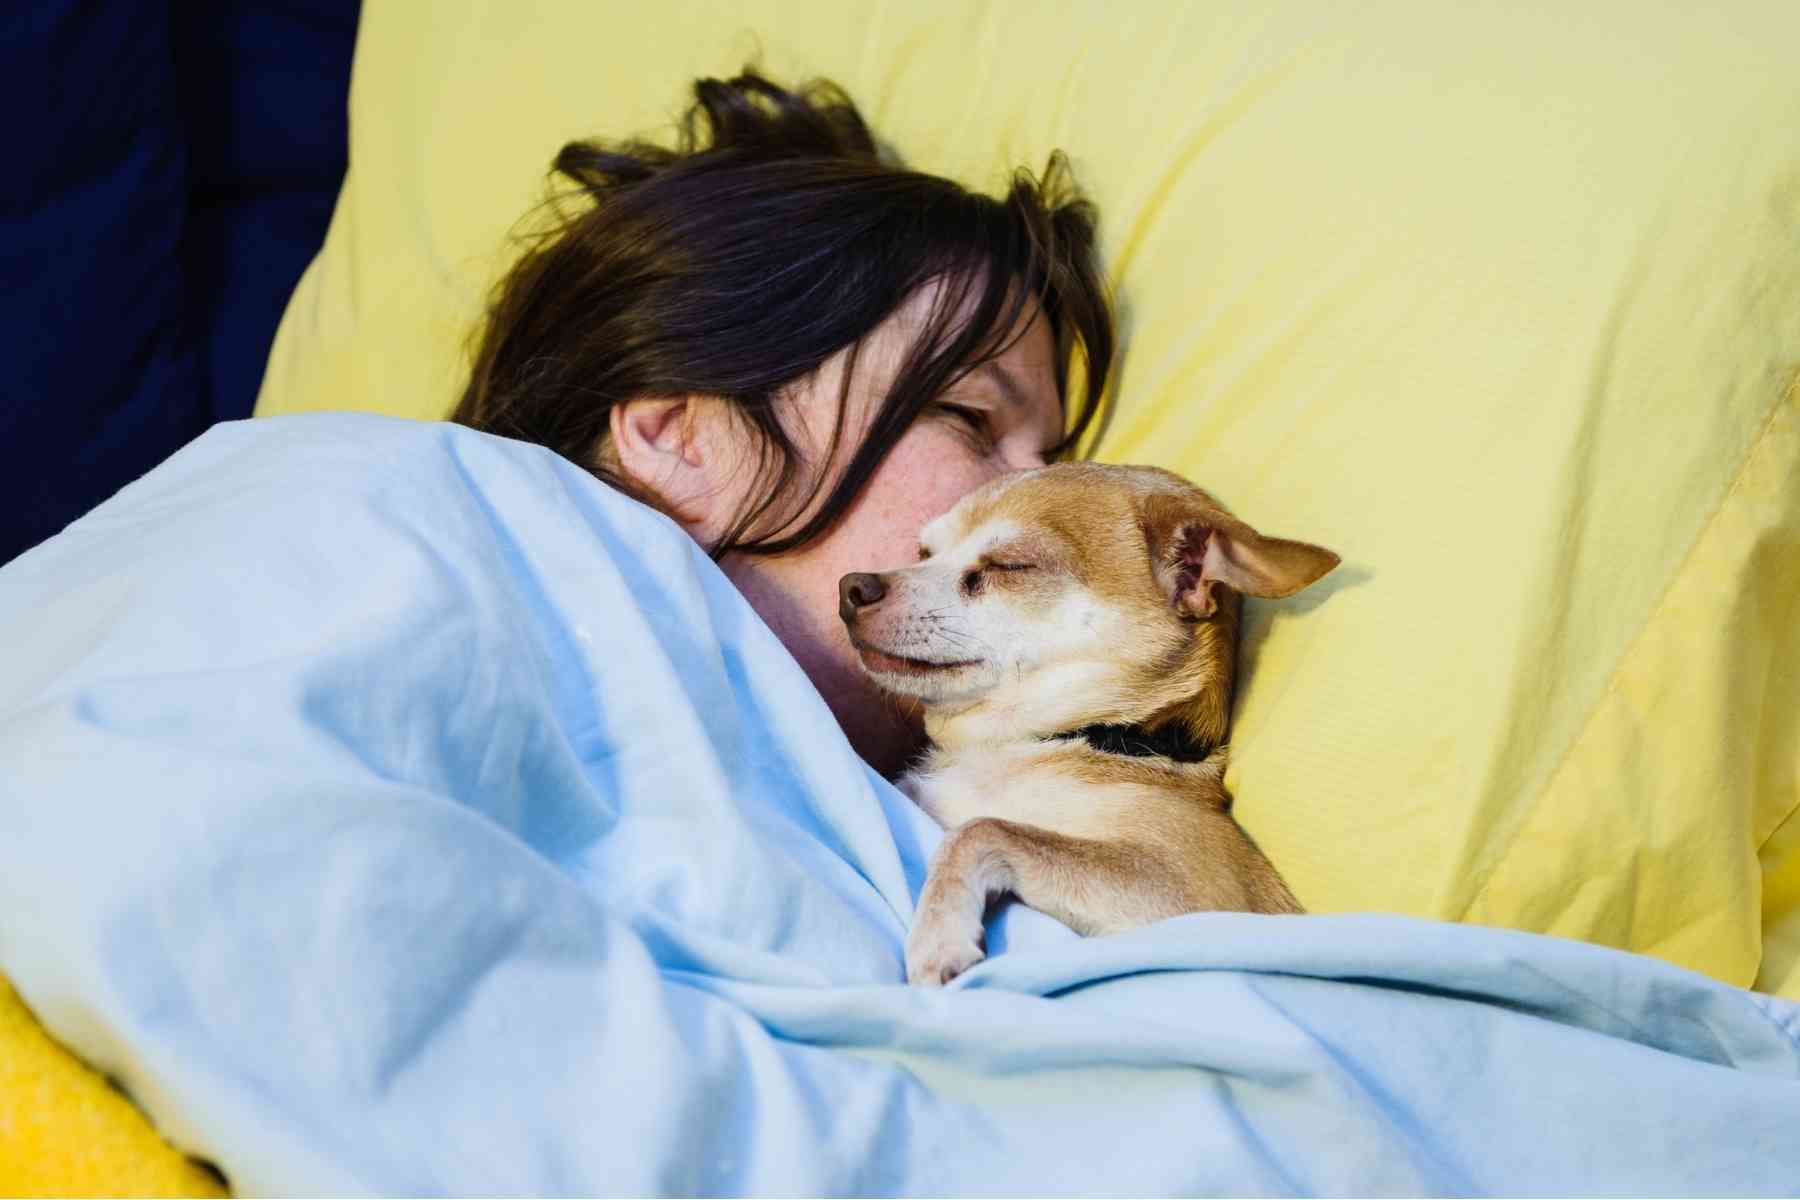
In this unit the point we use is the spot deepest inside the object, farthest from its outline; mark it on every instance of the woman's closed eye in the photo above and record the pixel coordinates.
(975, 422)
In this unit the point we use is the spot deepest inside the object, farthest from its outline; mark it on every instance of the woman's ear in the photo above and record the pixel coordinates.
(662, 448)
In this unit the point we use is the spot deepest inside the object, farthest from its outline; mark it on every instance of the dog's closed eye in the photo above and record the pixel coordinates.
(972, 579)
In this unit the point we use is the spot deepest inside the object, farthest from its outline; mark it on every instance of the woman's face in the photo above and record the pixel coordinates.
(1001, 417)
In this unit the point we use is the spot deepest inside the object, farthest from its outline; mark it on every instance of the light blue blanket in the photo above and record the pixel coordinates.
(392, 808)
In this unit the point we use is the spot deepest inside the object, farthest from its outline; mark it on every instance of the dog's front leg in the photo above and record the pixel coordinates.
(1092, 887)
(971, 866)
(981, 861)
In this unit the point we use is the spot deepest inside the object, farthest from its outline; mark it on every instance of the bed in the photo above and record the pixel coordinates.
(1502, 303)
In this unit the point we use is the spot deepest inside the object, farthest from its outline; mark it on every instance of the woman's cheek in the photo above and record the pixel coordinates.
(926, 474)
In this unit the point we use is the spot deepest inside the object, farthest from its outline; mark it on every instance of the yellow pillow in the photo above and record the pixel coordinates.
(1501, 302)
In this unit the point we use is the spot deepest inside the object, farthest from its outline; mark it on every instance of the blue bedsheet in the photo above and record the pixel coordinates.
(393, 808)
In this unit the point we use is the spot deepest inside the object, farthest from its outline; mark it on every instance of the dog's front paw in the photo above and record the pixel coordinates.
(937, 952)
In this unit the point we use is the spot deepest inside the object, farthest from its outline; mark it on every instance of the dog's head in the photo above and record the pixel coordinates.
(1071, 595)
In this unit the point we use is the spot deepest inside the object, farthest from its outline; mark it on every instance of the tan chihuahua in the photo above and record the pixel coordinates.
(1072, 634)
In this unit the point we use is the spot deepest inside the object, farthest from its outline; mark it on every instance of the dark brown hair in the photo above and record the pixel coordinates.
(772, 237)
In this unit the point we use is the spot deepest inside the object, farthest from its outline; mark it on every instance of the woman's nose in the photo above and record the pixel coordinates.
(859, 589)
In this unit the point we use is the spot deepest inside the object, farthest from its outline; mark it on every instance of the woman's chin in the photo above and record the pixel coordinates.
(888, 734)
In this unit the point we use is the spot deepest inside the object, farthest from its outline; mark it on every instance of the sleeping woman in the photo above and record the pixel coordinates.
(798, 351)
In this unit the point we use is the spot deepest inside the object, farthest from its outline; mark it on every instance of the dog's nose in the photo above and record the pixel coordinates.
(857, 590)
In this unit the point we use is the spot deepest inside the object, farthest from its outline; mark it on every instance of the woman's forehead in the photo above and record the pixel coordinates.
(1023, 371)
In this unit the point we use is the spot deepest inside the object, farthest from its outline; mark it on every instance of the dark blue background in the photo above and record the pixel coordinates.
(174, 169)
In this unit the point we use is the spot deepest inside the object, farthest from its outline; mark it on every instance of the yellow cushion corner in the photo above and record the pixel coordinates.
(65, 1131)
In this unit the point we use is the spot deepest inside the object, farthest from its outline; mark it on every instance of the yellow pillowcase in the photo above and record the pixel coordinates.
(1501, 302)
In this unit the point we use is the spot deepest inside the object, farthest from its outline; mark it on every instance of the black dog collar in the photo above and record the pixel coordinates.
(1171, 741)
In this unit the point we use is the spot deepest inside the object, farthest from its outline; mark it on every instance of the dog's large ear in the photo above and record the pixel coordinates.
(1194, 547)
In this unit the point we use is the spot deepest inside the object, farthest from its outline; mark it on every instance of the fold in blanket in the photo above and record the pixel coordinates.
(393, 808)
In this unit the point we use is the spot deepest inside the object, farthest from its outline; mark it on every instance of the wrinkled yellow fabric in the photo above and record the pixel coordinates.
(1500, 301)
